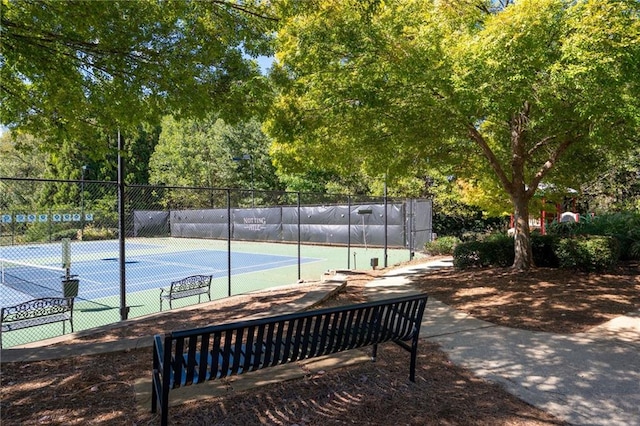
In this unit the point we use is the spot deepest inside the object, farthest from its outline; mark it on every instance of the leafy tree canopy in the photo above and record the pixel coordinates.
(21, 157)
(69, 67)
(212, 153)
(510, 94)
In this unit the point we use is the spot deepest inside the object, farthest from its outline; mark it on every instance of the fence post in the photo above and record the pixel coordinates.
(386, 223)
(411, 227)
(349, 234)
(124, 309)
(229, 242)
(299, 238)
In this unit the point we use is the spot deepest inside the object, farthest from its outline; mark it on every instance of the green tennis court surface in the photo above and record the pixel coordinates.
(152, 263)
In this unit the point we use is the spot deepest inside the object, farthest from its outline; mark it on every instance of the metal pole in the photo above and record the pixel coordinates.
(299, 239)
(386, 222)
(411, 226)
(229, 242)
(124, 309)
(84, 168)
(349, 233)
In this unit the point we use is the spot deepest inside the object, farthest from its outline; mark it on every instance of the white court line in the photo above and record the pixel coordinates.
(131, 286)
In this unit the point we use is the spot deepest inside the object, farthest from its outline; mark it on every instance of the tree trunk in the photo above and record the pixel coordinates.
(522, 239)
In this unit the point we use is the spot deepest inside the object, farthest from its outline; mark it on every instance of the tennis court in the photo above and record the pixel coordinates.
(152, 263)
(100, 277)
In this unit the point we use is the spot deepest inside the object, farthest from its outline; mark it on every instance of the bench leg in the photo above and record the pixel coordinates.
(374, 353)
(164, 404)
(154, 395)
(414, 355)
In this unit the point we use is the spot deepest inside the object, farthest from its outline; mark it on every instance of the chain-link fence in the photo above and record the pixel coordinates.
(62, 239)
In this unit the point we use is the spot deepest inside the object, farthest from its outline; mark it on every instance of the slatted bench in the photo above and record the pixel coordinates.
(189, 357)
(36, 312)
(195, 285)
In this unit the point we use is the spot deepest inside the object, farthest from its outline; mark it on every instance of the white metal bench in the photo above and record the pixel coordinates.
(195, 285)
(36, 312)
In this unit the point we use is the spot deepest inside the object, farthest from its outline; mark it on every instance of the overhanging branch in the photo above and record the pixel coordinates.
(541, 143)
(493, 160)
(551, 161)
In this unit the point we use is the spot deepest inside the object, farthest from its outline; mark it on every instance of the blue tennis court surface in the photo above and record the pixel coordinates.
(101, 278)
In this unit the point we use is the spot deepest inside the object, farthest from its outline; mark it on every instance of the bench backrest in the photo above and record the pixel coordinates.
(191, 283)
(239, 347)
(36, 309)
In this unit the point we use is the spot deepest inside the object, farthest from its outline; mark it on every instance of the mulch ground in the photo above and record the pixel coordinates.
(98, 390)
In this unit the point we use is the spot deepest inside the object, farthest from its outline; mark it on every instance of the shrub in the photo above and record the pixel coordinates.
(37, 232)
(441, 245)
(498, 250)
(588, 253)
(92, 233)
(65, 233)
(625, 226)
(544, 250)
(468, 255)
(494, 251)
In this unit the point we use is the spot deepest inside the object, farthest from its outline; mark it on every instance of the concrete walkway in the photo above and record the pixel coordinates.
(588, 378)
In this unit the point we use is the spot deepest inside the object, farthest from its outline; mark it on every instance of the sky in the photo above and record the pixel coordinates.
(265, 63)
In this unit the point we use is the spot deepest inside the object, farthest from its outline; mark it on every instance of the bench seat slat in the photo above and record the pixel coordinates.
(32, 322)
(192, 374)
(184, 293)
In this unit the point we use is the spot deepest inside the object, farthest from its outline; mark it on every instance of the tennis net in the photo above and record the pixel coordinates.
(33, 279)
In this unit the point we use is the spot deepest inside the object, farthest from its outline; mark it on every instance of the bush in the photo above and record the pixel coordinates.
(495, 251)
(588, 253)
(468, 254)
(544, 250)
(92, 233)
(442, 245)
(65, 233)
(37, 232)
(625, 226)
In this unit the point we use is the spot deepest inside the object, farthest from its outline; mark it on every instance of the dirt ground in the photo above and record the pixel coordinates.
(98, 390)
